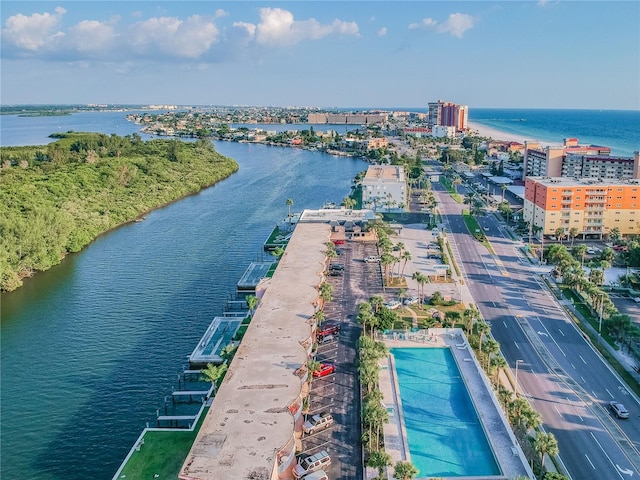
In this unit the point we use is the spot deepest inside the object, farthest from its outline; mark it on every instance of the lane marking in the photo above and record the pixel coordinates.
(605, 454)
(609, 392)
(589, 460)
(558, 411)
(583, 360)
(504, 323)
(516, 344)
(561, 332)
(574, 367)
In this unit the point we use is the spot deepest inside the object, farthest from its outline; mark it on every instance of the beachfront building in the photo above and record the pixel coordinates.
(448, 114)
(384, 188)
(442, 131)
(591, 205)
(574, 160)
(348, 118)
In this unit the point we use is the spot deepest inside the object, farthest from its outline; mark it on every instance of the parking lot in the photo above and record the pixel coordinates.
(338, 392)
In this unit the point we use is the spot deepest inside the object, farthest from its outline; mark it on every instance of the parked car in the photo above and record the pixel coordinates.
(338, 242)
(411, 300)
(325, 369)
(618, 409)
(636, 299)
(371, 259)
(335, 273)
(392, 304)
(317, 475)
(312, 463)
(318, 422)
(326, 339)
(340, 251)
(336, 266)
(328, 329)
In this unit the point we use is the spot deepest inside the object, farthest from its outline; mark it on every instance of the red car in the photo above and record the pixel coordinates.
(338, 242)
(328, 329)
(325, 369)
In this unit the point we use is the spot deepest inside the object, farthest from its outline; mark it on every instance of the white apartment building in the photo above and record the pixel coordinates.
(384, 188)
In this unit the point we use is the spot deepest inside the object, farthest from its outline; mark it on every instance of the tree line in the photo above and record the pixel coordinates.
(55, 199)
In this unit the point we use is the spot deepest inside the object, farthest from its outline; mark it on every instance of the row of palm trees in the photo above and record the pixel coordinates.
(374, 414)
(522, 416)
(588, 287)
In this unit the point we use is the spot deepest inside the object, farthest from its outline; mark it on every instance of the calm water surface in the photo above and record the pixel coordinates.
(91, 347)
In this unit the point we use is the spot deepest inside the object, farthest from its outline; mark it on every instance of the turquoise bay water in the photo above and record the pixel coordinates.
(444, 433)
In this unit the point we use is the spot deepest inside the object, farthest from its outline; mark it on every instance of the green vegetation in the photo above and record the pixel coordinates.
(454, 194)
(162, 453)
(57, 198)
(475, 230)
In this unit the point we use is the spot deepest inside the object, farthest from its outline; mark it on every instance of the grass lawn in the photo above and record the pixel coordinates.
(454, 194)
(475, 230)
(163, 454)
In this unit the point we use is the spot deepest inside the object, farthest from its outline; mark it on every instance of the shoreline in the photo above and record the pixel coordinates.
(495, 134)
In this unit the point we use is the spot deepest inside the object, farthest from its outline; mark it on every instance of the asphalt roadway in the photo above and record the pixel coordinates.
(559, 371)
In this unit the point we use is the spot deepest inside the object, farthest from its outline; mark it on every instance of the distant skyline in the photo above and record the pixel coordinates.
(508, 54)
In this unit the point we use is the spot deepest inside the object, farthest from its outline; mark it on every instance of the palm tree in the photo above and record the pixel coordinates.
(379, 459)
(482, 328)
(421, 278)
(491, 347)
(348, 203)
(580, 251)
(405, 471)
(386, 260)
(573, 233)
(319, 317)
(252, 301)
(504, 189)
(560, 233)
(377, 301)
(406, 256)
(214, 373)
(312, 366)
(497, 363)
(545, 444)
(289, 204)
(326, 292)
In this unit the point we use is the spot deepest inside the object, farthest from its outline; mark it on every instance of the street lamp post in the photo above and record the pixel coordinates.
(517, 362)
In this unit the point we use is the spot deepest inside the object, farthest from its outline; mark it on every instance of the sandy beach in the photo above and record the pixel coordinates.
(485, 131)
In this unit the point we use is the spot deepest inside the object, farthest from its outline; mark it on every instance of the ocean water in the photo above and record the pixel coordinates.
(618, 129)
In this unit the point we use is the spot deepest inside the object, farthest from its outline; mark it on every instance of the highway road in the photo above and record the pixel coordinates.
(559, 371)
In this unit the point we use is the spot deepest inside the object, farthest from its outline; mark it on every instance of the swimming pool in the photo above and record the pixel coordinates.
(444, 433)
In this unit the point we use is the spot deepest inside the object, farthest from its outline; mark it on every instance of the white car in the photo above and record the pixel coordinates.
(317, 422)
(392, 304)
(411, 300)
(371, 259)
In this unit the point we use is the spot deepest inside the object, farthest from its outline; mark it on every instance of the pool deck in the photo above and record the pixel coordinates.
(508, 453)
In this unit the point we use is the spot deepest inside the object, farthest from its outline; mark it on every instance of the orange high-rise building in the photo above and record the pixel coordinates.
(593, 206)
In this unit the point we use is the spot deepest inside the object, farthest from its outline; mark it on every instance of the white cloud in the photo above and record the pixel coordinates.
(220, 13)
(382, 32)
(31, 32)
(425, 23)
(278, 27)
(455, 25)
(90, 36)
(169, 35)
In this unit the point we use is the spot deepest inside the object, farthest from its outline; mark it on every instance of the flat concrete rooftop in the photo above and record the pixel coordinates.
(249, 420)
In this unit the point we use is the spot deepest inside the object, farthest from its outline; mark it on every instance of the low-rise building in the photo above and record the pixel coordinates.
(384, 188)
(592, 206)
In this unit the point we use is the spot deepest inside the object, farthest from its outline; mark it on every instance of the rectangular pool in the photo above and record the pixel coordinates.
(444, 433)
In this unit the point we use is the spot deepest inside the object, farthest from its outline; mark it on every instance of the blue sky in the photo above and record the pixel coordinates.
(519, 54)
